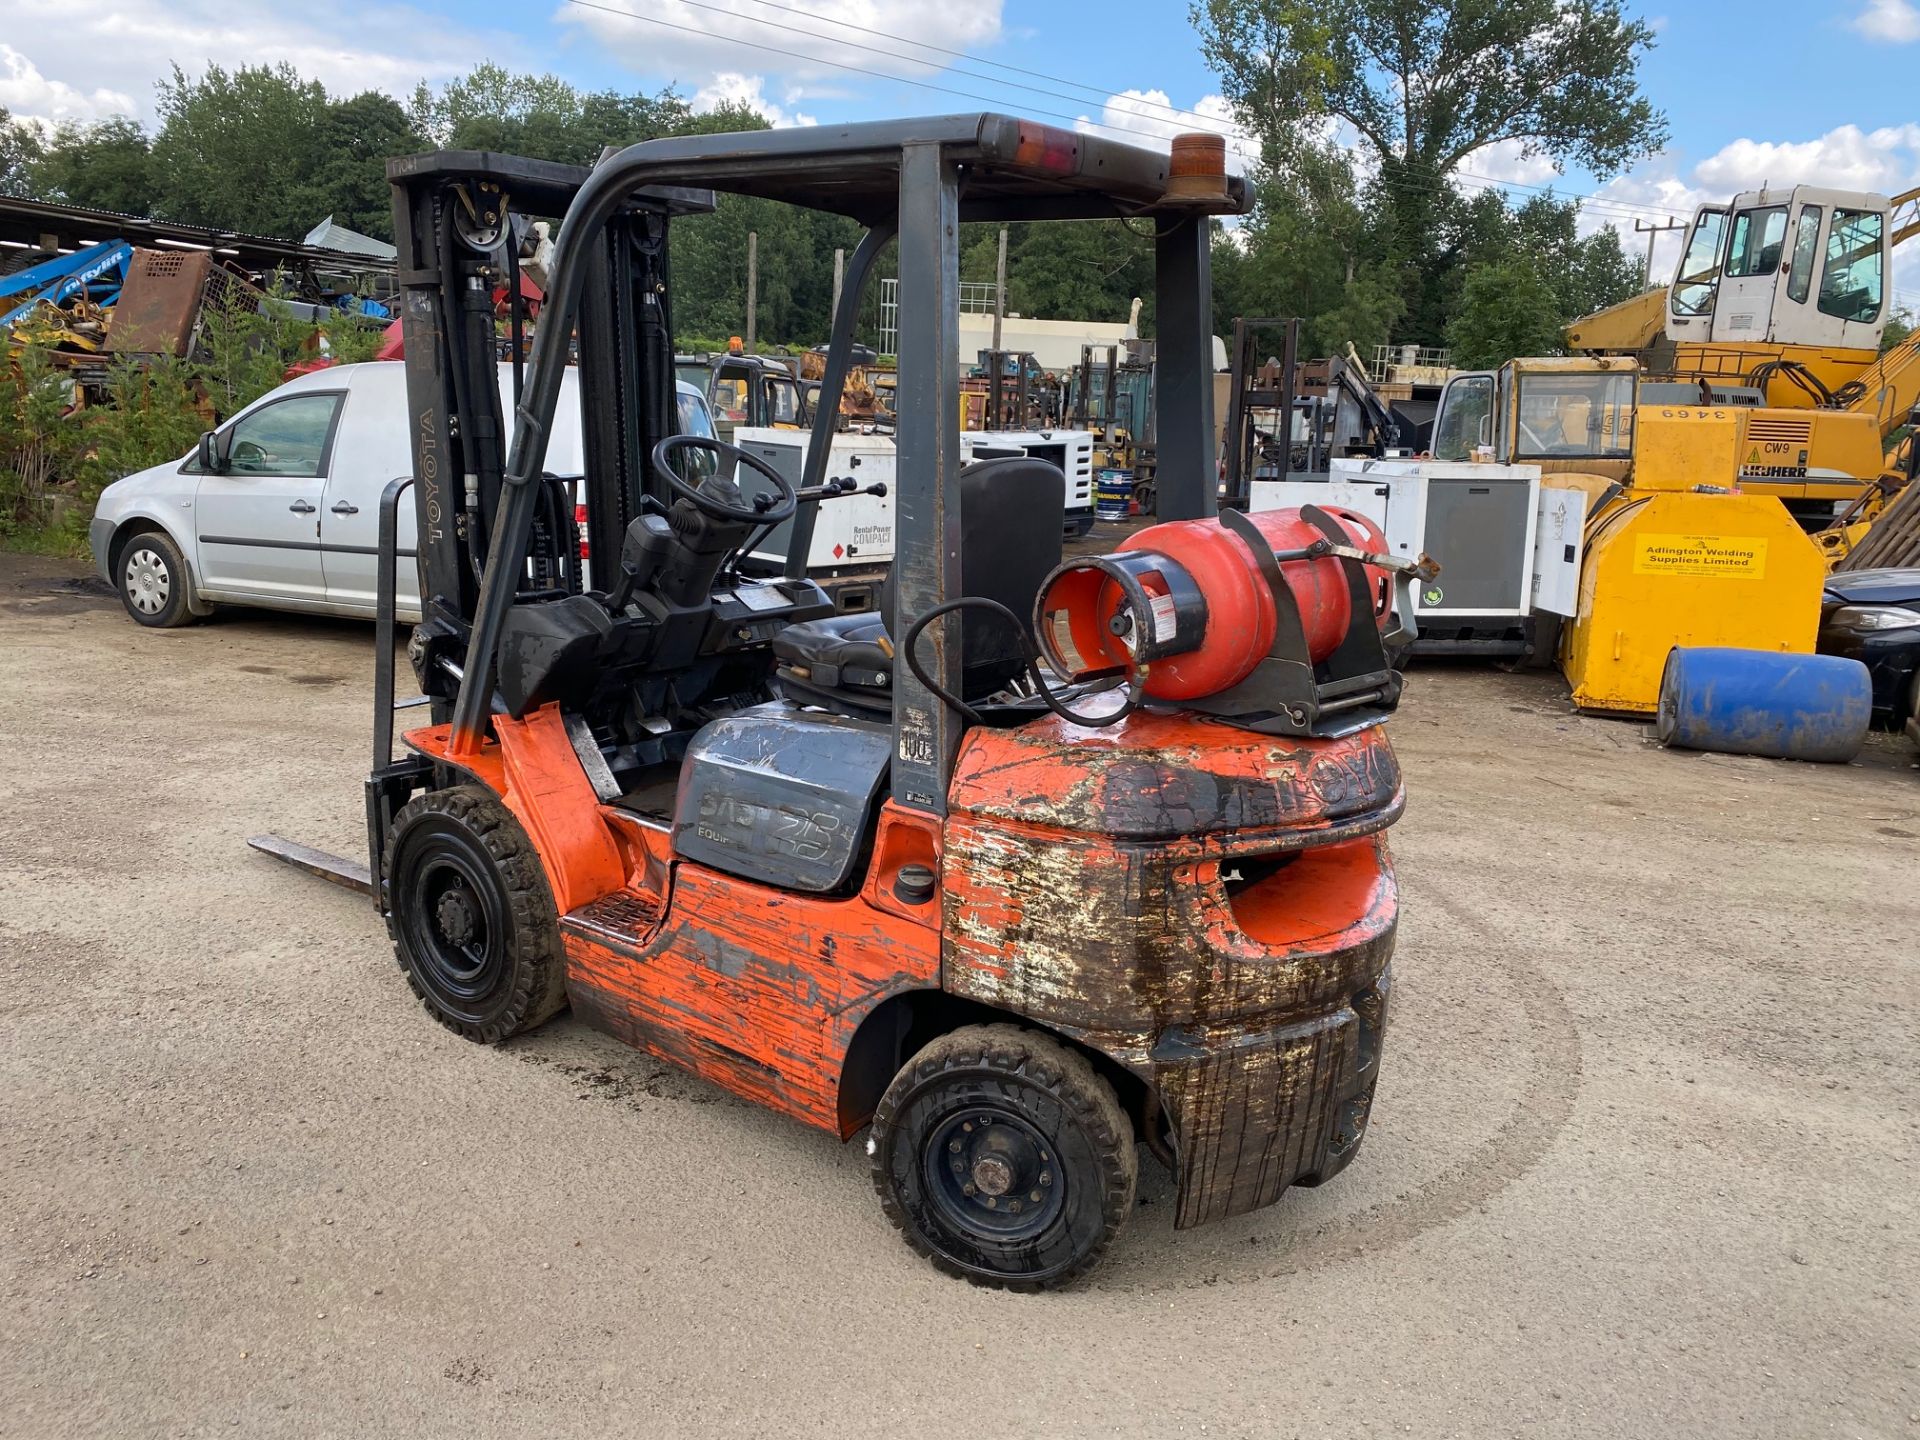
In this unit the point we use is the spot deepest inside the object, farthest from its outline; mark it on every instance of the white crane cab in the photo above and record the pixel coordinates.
(1789, 266)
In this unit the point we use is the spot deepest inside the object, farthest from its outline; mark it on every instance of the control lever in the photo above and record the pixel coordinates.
(844, 485)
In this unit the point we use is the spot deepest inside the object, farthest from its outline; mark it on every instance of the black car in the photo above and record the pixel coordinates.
(1873, 616)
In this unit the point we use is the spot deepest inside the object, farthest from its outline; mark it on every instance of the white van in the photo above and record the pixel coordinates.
(293, 522)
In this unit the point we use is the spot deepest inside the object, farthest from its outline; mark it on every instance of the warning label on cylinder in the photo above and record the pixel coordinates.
(1740, 557)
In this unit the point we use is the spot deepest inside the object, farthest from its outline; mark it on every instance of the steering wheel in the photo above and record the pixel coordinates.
(730, 458)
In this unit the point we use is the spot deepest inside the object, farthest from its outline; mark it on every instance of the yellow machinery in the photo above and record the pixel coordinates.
(1779, 302)
(1673, 552)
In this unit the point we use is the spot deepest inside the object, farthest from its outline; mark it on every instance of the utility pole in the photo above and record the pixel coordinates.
(1000, 290)
(1651, 232)
(753, 286)
(839, 279)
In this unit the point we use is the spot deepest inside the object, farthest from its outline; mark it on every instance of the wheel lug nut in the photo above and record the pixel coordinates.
(991, 1202)
(967, 1189)
(954, 1145)
(1035, 1197)
(1046, 1177)
(1014, 1206)
(967, 1125)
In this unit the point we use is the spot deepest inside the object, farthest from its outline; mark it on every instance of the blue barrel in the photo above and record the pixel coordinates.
(1112, 494)
(1761, 702)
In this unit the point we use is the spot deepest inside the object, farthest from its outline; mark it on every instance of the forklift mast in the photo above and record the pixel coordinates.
(459, 218)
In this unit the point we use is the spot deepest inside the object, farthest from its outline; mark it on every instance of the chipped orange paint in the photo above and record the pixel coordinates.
(1213, 909)
(756, 989)
(530, 764)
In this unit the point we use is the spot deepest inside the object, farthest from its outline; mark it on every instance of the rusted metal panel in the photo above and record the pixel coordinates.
(1174, 777)
(160, 303)
(1229, 967)
(757, 990)
(164, 298)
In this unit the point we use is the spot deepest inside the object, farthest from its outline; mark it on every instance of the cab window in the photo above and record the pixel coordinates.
(1463, 417)
(1851, 283)
(287, 437)
(783, 402)
(730, 396)
(1699, 272)
(1806, 248)
(1574, 416)
(1758, 238)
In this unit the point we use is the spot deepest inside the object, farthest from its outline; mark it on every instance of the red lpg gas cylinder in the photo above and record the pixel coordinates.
(1184, 556)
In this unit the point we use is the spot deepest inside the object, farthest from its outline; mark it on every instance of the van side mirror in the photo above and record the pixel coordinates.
(207, 452)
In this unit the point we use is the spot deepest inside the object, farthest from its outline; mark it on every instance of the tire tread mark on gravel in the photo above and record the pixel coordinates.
(1477, 1177)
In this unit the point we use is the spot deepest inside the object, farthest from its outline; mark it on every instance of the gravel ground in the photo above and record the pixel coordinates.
(1643, 1159)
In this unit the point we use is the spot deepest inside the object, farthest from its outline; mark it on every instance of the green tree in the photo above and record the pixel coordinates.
(1899, 327)
(1311, 249)
(1080, 270)
(240, 149)
(492, 108)
(20, 148)
(357, 137)
(1507, 309)
(1426, 84)
(105, 166)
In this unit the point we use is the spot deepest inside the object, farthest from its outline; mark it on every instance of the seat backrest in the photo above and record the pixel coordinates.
(1012, 512)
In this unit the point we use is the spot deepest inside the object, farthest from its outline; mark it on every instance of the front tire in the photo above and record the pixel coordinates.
(474, 926)
(152, 578)
(1003, 1158)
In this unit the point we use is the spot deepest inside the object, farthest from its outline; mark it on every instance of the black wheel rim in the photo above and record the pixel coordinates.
(992, 1174)
(453, 916)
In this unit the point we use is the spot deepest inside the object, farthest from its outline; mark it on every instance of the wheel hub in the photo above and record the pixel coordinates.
(147, 581)
(455, 917)
(992, 1175)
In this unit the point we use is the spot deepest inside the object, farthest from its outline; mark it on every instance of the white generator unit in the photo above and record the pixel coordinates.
(1508, 547)
(853, 534)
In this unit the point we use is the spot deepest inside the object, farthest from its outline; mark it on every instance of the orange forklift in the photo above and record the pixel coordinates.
(1044, 860)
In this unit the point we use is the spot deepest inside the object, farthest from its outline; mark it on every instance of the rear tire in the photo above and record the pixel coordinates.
(474, 926)
(152, 579)
(1003, 1158)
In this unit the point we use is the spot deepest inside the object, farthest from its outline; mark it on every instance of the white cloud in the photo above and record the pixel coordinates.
(29, 95)
(697, 42)
(1847, 159)
(1886, 161)
(1146, 116)
(1897, 21)
(1508, 162)
(736, 89)
(86, 59)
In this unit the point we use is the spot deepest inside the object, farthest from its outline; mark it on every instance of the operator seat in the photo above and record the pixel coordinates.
(1011, 516)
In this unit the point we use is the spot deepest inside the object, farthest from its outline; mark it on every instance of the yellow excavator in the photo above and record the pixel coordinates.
(1777, 310)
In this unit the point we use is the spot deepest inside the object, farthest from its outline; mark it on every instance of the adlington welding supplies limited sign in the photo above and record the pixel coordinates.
(1739, 557)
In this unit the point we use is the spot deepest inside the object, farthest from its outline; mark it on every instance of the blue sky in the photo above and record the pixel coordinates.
(1761, 90)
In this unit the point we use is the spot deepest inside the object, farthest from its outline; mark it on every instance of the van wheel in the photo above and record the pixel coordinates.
(1003, 1158)
(153, 579)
